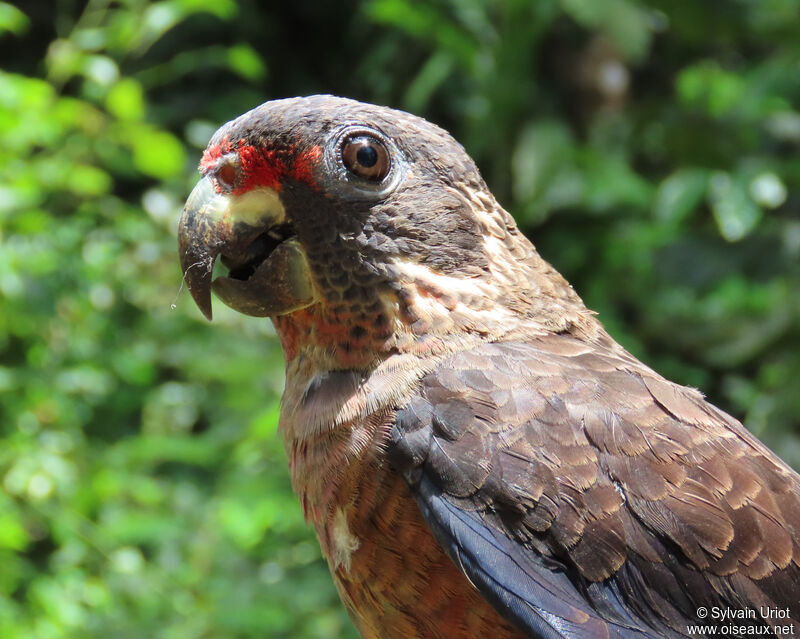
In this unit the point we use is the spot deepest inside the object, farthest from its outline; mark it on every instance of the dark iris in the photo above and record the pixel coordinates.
(367, 156)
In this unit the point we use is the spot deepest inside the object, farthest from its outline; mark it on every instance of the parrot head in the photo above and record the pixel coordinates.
(333, 215)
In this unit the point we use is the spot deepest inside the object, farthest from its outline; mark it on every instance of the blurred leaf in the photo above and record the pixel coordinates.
(735, 213)
(784, 125)
(711, 88)
(610, 182)
(12, 533)
(64, 60)
(13, 20)
(425, 20)
(545, 173)
(88, 180)
(126, 100)
(245, 61)
(102, 69)
(626, 24)
(157, 153)
(679, 194)
(160, 17)
(768, 190)
(429, 78)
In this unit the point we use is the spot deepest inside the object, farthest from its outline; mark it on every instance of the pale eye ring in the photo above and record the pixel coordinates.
(366, 157)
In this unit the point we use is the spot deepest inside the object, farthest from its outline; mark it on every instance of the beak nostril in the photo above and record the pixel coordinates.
(226, 175)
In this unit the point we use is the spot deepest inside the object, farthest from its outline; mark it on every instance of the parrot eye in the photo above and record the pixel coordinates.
(366, 157)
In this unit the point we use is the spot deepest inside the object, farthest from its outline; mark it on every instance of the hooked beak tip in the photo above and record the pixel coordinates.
(201, 234)
(199, 286)
(197, 274)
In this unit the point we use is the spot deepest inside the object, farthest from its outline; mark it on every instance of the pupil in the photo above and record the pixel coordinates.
(367, 156)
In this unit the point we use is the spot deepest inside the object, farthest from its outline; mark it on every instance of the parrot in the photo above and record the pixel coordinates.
(477, 455)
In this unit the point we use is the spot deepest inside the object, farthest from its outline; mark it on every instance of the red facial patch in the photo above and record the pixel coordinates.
(213, 153)
(302, 170)
(258, 166)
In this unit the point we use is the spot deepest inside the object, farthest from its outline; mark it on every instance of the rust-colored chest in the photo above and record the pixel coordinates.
(401, 585)
(391, 573)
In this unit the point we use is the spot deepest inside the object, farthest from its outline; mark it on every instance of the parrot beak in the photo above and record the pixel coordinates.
(268, 274)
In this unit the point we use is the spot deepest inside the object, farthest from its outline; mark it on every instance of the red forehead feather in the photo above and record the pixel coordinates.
(264, 167)
(302, 170)
(260, 168)
(210, 157)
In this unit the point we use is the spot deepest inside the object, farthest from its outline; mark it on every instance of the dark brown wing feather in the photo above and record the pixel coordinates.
(621, 496)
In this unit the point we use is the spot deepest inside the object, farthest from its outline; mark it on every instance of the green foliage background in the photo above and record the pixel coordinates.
(651, 149)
